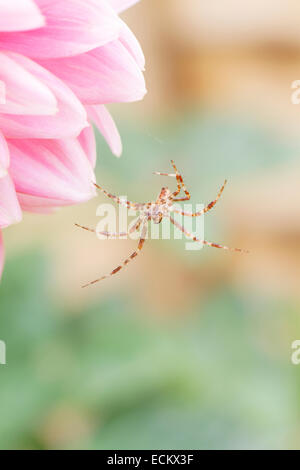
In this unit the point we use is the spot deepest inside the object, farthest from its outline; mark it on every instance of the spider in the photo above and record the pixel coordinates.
(156, 211)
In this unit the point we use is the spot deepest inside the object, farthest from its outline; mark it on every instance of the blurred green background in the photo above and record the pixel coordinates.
(183, 349)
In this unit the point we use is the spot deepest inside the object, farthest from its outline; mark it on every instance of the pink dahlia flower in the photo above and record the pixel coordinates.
(61, 61)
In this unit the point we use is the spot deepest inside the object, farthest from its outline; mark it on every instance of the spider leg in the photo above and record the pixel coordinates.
(206, 209)
(136, 226)
(180, 184)
(85, 228)
(173, 175)
(134, 205)
(106, 234)
(205, 242)
(159, 173)
(118, 200)
(127, 260)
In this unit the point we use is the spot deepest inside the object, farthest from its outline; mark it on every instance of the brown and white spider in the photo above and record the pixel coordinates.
(156, 211)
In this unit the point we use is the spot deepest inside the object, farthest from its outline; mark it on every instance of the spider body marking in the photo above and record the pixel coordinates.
(161, 207)
(156, 211)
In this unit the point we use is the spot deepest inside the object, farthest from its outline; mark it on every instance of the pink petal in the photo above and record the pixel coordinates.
(2, 92)
(4, 156)
(88, 143)
(128, 39)
(72, 27)
(37, 205)
(121, 5)
(107, 74)
(2, 254)
(69, 120)
(106, 125)
(50, 173)
(24, 93)
(20, 15)
(10, 211)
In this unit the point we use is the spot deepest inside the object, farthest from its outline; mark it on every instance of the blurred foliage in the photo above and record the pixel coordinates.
(206, 148)
(125, 381)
